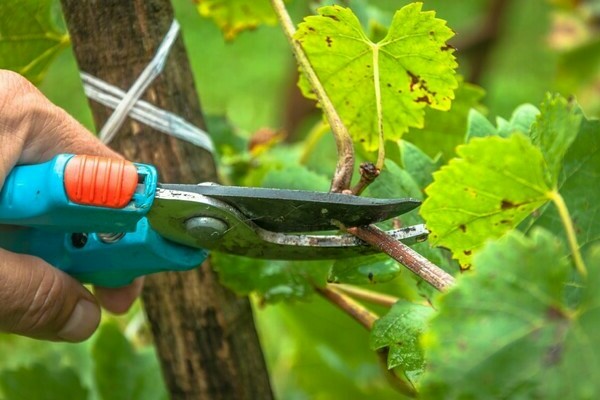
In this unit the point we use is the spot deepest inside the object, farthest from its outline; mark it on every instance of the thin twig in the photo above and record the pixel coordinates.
(431, 273)
(368, 173)
(351, 307)
(345, 167)
(367, 295)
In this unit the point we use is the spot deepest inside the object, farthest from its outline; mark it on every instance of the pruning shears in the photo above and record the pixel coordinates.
(107, 221)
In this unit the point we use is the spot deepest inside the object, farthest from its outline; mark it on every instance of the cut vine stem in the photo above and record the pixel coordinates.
(345, 166)
(431, 273)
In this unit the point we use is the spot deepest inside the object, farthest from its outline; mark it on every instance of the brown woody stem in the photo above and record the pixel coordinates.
(351, 307)
(345, 166)
(418, 264)
(368, 173)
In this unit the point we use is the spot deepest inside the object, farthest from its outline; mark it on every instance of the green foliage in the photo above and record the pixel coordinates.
(398, 332)
(493, 186)
(520, 121)
(577, 185)
(235, 16)
(108, 366)
(122, 372)
(444, 130)
(517, 337)
(522, 324)
(31, 35)
(380, 89)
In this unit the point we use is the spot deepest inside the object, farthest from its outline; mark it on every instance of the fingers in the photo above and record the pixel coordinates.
(119, 300)
(32, 129)
(43, 302)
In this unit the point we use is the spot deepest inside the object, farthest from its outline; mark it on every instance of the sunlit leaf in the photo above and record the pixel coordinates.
(506, 331)
(31, 35)
(493, 185)
(381, 89)
(235, 16)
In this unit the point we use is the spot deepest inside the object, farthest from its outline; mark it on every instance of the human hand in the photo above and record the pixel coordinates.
(36, 299)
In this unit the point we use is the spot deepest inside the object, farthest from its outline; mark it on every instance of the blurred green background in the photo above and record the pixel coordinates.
(516, 50)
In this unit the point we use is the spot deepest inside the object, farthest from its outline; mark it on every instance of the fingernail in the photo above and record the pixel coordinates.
(82, 323)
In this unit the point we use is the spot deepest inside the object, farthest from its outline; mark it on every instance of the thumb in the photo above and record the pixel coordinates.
(43, 302)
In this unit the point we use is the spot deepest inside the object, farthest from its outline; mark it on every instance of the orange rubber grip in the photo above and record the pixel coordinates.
(100, 181)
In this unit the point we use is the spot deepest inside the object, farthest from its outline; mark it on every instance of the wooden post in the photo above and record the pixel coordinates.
(204, 333)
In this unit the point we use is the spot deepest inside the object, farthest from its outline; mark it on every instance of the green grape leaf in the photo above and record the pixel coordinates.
(399, 331)
(521, 120)
(493, 185)
(123, 372)
(31, 36)
(555, 130)
(235, 16)
(364, 270)
(380, 89)
(444, 130)
(42, 382)
(578, 185)
(506, 331)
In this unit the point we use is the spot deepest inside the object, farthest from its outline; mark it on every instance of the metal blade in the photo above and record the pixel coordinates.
(204, 222)
(281, 210)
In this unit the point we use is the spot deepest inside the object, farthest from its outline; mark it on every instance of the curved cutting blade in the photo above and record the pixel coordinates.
(282, 210)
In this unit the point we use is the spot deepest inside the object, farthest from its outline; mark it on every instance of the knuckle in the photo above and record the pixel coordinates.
(35, 302)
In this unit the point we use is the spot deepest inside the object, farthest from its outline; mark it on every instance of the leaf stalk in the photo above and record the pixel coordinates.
(567, 222)
(345, 166)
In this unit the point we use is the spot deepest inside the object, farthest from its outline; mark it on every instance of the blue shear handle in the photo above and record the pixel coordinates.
(90, 259)
(35, 195)
(63, 233)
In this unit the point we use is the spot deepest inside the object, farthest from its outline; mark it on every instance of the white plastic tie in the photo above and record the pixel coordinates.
(146, 113)
(128, 103)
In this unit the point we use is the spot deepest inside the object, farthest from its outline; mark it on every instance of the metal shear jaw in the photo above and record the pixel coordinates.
(200, 221)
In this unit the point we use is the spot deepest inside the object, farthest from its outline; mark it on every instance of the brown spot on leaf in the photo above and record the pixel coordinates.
(462, 227)
(329, 41)
(423, 99)
(333, 17)
(465, 268)
(507, 204)
(414, 80)
(370, 277)
(467, 252)
(389, 85)
(447, 47)
(310, 28)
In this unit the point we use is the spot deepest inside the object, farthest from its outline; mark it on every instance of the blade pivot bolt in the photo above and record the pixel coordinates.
(206, 227)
